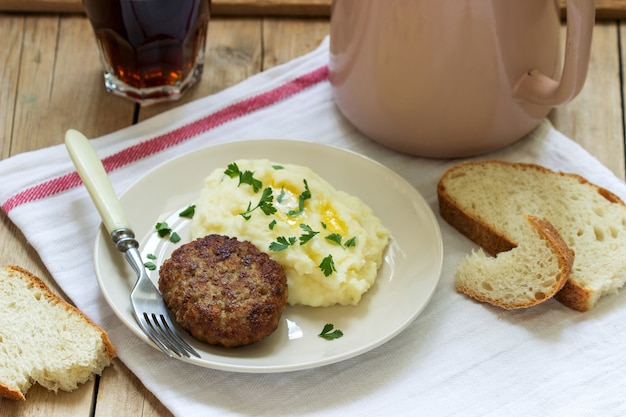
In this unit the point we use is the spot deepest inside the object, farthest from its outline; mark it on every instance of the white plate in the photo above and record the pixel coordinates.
(405, 282)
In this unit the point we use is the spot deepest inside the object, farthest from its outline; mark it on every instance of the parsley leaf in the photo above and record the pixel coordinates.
(350, 242)
(281, 196)
(308, 235)
(335, 238)
(329, 334)
(188, 212)
(150, 265)
(163, 229)
(265, 204)
(305, 195)
(232, 170)
(272, 224)
(245, 177)
(282, 243)
(327, 265)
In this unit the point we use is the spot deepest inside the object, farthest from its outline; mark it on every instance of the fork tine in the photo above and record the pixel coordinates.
(166, 335)
(148, 329)
(157, 332)
(175, 338)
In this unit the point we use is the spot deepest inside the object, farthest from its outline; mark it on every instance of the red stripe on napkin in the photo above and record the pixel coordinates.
(173, 138)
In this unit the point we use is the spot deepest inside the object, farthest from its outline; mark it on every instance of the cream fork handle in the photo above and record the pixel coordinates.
(96, 181)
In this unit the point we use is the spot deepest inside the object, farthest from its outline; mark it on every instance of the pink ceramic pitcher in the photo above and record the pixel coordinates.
(453, 78)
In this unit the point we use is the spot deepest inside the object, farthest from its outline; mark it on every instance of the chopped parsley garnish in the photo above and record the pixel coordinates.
(272, 224)
(232, 170)
(265, 204)
(327, 265)
(150, 265)
(163, 229)
(188, 212)
(281, 196)
(245, 177)
(282, 243)
(329, 334)
(308, 233)
(278, 167)
(335, 238)
(305, 195)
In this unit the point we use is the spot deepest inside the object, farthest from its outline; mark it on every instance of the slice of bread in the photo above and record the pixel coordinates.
(43, 339)
(524, 276)
(486, 201)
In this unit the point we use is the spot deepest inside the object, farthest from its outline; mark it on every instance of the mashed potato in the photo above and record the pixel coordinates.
(330, 243)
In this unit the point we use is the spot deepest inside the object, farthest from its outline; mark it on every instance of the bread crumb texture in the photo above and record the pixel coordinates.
(523, 277)
(43, 339)
(487, 201)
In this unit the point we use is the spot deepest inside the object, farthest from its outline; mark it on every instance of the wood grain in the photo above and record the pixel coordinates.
(605, 9)
(599, 131)
(11, 31)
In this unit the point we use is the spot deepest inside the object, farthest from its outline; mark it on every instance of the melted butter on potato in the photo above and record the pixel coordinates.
(328, 211)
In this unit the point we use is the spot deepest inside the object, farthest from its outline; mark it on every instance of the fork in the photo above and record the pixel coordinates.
(146, 300)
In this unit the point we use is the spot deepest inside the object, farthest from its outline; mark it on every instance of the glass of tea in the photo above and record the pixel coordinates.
(151, 50)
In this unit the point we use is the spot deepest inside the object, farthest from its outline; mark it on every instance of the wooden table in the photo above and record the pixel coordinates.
(50, 81)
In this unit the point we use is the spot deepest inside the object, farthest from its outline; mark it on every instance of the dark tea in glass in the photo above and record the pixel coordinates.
(152, 50)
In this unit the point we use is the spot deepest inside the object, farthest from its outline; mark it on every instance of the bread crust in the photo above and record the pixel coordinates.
(574, 294)
(11, 394)
(492, 241)
(565, 258)
(16, 394)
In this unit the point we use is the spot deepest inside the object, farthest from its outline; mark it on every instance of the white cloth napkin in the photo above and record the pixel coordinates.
(459, 357)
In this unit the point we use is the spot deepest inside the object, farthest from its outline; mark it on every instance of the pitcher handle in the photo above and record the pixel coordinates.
(542, 90)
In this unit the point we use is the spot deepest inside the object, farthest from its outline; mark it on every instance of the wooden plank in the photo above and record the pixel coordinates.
(92, 110)
(285, 39)
(34, 86)
(594, 118)
(121, 394)
(308, 8)
(61, 86)
(11, 30)
(605, 9)
(42, 402)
